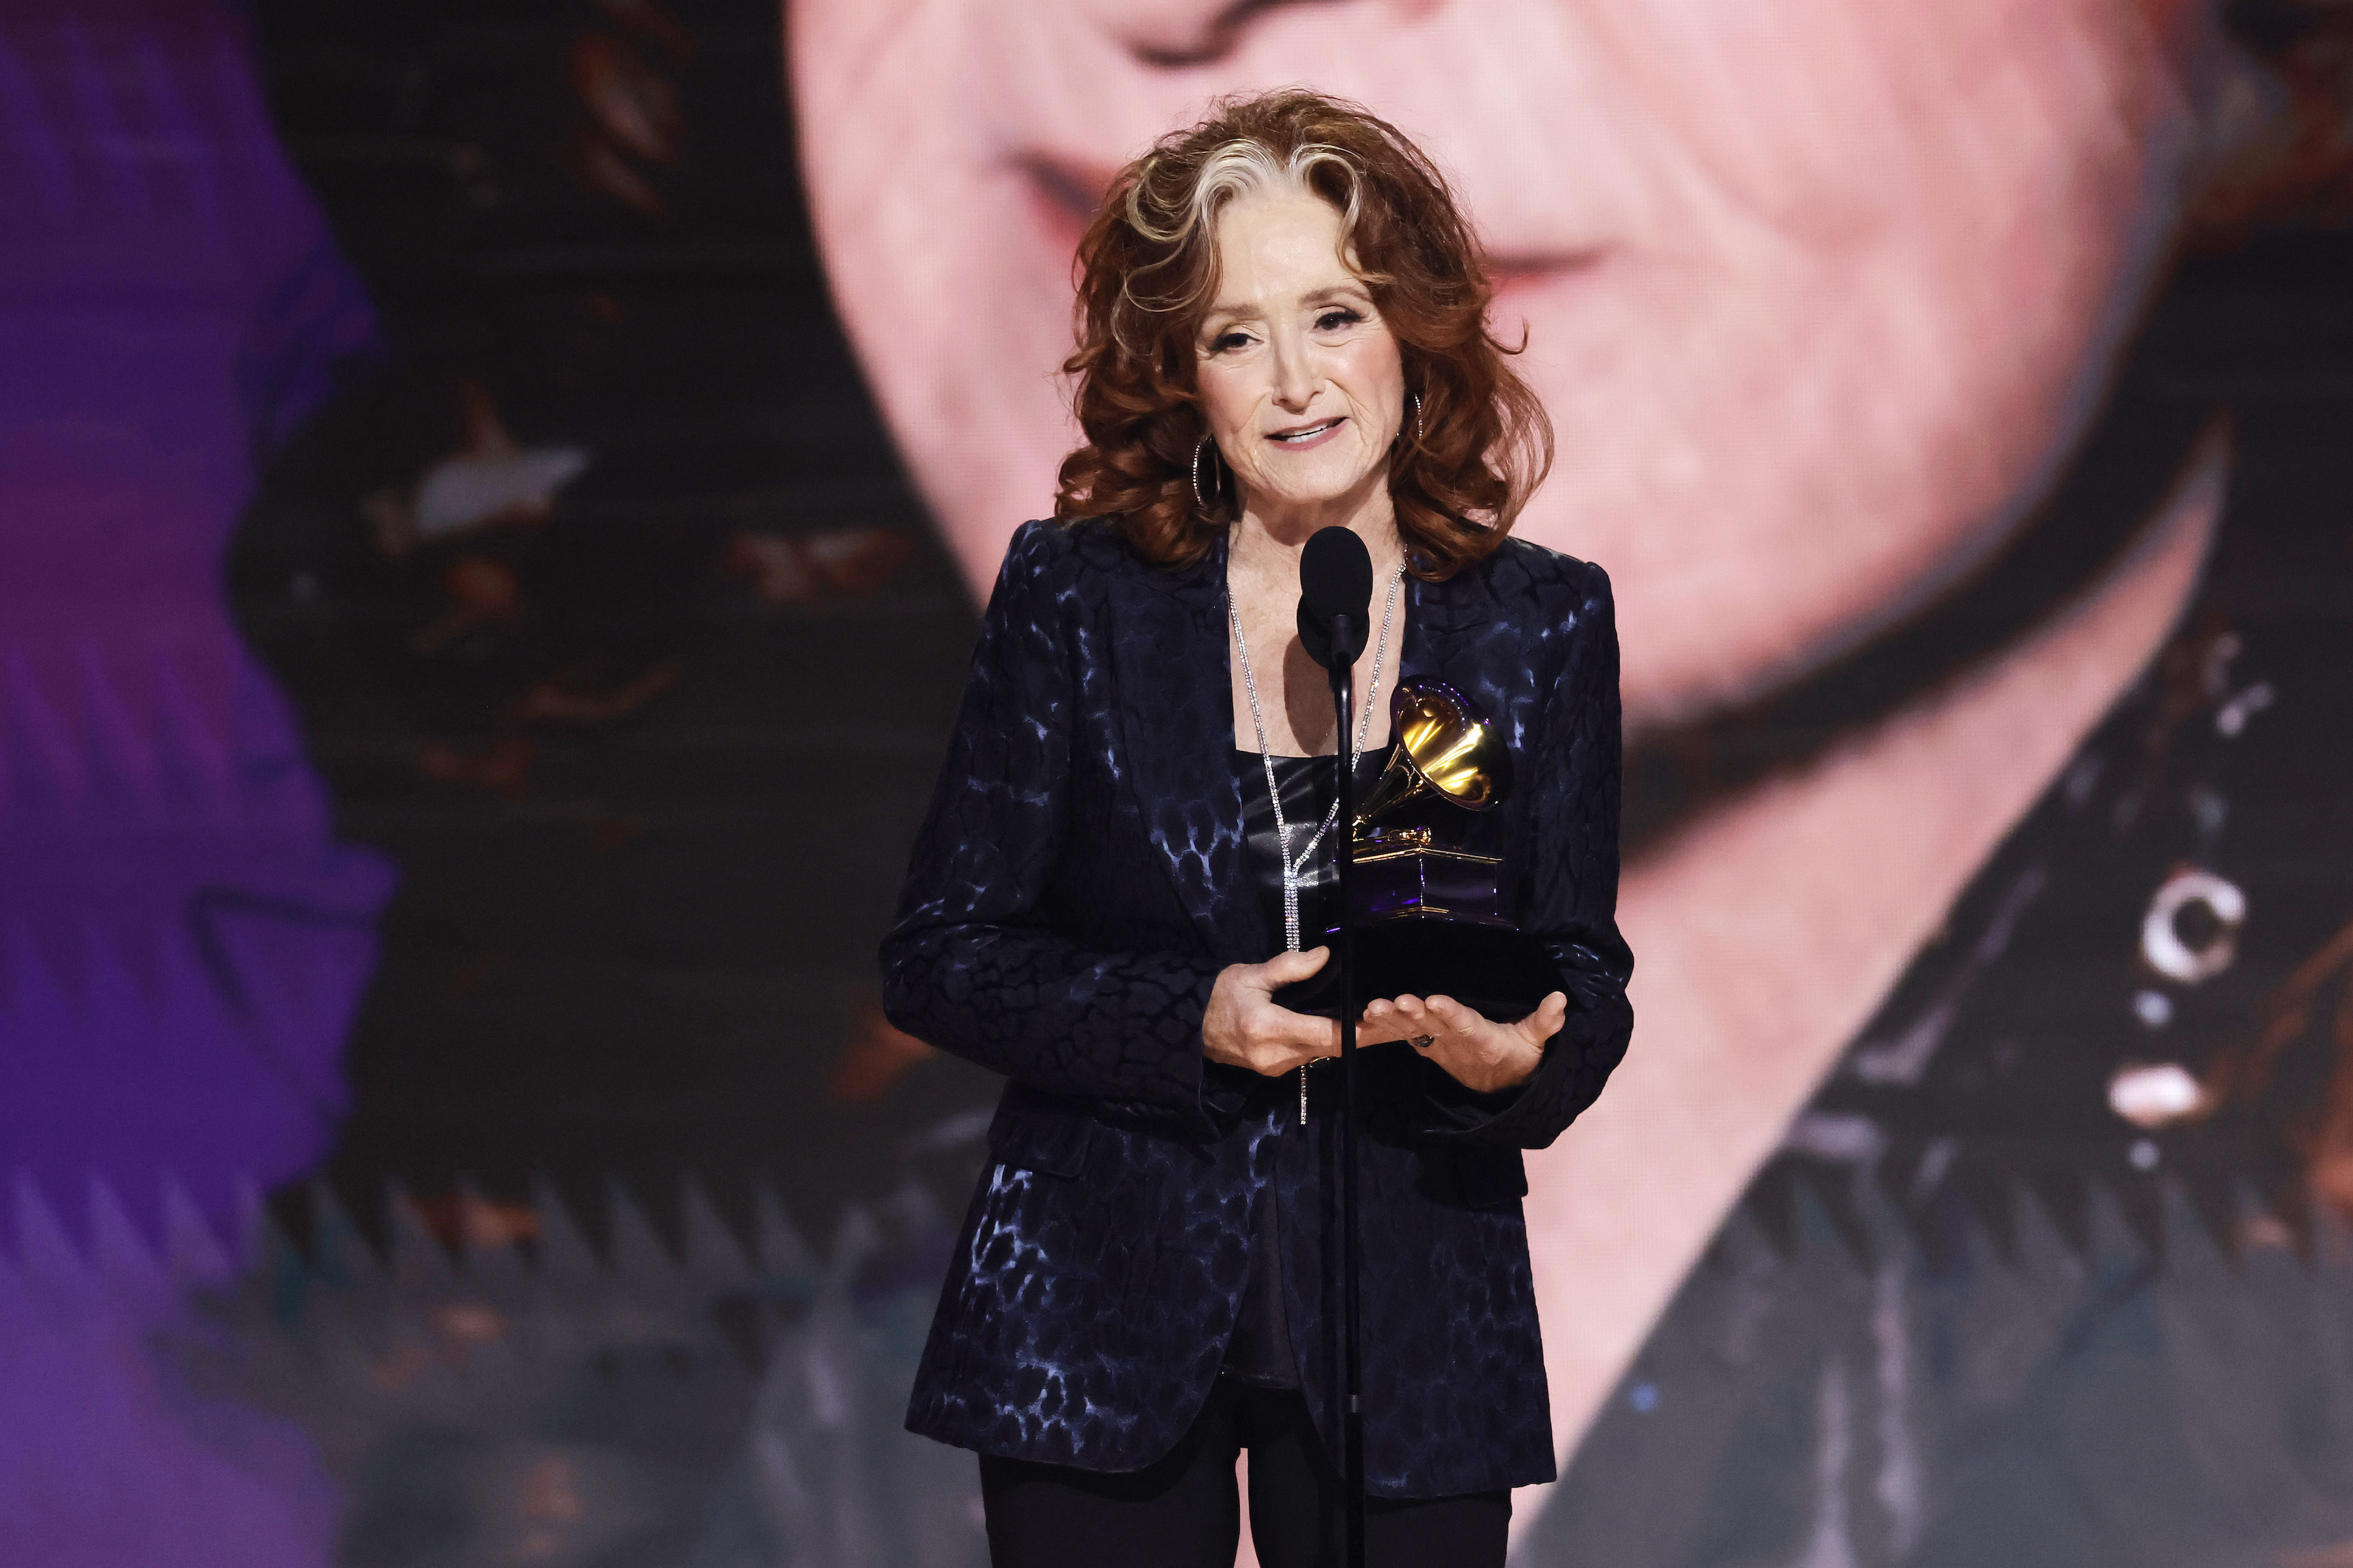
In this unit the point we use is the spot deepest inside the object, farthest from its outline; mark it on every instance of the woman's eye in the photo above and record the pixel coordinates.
(1333, 320)
(1226, 342)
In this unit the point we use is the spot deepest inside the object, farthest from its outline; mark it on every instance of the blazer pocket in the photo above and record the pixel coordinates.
(1489, 1178)
(1053, 1144)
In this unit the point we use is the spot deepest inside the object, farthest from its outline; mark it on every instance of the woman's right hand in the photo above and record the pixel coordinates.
(1245, 1028)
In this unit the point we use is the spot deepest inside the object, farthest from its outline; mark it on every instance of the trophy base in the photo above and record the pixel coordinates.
(1496, 970)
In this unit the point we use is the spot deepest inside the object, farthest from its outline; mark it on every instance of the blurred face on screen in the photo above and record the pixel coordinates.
(1813, 289)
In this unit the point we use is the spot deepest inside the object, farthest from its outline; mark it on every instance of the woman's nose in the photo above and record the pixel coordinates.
(1292, 364)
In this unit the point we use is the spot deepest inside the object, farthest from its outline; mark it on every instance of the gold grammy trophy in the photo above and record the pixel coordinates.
(1428, 915)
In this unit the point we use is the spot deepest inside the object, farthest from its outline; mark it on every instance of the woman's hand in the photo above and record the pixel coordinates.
(1244, 1027)
(1476, 1052)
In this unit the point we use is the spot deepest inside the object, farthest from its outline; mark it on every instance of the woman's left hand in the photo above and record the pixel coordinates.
(1476, 1052)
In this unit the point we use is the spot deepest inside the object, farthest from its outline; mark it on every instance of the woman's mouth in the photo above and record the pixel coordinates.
(1307, 434)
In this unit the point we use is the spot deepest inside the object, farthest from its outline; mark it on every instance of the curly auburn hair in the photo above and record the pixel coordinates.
(1148, 271)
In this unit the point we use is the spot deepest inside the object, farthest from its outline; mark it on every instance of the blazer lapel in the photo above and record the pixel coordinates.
(1442, 623)
(1174, 686)
(1465, 634)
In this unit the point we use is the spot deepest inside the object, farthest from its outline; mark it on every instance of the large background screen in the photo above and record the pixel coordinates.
(494, 503)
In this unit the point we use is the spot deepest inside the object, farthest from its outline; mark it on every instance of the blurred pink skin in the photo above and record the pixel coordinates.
(1813, 290)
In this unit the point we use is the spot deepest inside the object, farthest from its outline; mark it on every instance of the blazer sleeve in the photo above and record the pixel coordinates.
(1571, 897)
(971, 964)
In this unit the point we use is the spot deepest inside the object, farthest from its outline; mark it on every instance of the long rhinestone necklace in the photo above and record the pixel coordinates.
(1290, 867)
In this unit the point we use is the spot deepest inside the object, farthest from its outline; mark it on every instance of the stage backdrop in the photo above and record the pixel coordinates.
(494, 500)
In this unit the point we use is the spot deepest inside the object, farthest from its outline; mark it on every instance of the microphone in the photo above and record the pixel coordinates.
(1336, 596)
(1335, 606)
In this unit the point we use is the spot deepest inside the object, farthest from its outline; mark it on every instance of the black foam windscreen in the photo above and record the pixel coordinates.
(1335, 583)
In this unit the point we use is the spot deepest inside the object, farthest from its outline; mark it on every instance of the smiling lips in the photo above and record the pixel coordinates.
(1307, 434)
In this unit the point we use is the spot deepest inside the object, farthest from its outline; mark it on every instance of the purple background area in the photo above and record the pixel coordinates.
(181, 943)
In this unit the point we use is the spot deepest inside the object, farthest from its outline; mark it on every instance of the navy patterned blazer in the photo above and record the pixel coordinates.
(1073, 894)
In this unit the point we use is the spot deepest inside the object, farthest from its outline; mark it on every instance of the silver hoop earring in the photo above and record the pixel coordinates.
(1417, 432)
(1199, 452)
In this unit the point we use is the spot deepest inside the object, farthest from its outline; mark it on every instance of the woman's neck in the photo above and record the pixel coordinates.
(1294, 716)
(1268, 541)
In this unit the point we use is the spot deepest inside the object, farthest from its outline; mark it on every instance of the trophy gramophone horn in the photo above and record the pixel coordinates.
(1444, 748)
(1430, 917)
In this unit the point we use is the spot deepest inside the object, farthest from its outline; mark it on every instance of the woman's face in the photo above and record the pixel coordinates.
(1815, 291)
(1301, 383)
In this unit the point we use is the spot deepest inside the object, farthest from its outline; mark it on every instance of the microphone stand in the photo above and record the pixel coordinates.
(1344, 648)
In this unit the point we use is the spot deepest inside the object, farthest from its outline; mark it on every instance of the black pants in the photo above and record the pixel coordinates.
(1185, 1513)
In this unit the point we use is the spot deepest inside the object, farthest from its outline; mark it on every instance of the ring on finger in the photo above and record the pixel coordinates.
(1422, 1042)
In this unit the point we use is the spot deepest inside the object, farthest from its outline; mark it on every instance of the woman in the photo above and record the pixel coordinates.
(1282, 329)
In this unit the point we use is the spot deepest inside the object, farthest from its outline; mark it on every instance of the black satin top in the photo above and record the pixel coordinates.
(1260, 1352)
